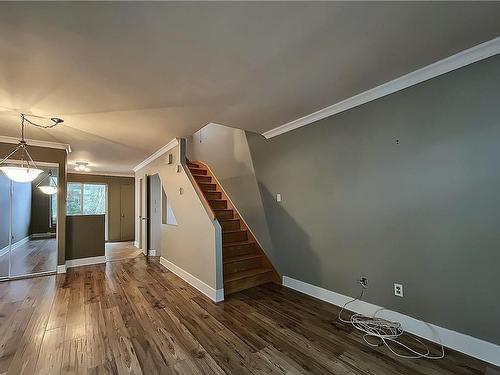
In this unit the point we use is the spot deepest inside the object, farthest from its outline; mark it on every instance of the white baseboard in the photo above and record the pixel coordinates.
(152, 253)
(20, 243)
(61, 268)
(85, 261)
(213, 294)
(43, 235)
(4, 251)
(136, 244)
(460, 342)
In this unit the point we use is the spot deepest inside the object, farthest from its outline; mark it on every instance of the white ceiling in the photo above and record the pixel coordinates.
(129, 77)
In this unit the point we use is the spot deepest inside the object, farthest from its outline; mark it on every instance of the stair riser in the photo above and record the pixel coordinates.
(213, 195)
(242, 265)
(198, 171)
(230, 225)
(203, 178)
(208, 187)
(234, 237)
(192, 165)
(236, 250)
(218, 204)
(237, 285)
(224, 214)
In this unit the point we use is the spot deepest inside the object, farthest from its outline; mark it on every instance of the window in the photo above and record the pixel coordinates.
(86, 199)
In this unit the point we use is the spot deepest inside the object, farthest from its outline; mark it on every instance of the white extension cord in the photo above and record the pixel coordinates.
(383, 332)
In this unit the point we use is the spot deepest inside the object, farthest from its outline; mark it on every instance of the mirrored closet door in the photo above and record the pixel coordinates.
(28, 226)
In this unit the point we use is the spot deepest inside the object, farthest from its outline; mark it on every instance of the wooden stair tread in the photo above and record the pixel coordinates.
(245, 265)
(239, 258)
(239, 243)
(244, 274)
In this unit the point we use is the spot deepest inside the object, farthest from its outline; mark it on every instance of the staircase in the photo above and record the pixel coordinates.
(245, 263)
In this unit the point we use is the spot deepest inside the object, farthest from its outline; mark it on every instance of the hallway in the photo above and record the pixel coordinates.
(121, 250)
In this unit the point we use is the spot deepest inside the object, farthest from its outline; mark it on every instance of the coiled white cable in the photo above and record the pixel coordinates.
(385, 332)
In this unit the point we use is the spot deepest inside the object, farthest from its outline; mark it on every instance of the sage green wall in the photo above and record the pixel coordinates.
(424, 212)
(58, 156)
(114, 200)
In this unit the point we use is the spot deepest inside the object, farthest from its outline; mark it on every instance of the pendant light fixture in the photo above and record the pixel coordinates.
(28, 170)
(49, 189)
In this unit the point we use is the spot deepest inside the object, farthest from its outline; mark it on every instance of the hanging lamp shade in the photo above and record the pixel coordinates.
(49, 190)
(28, 170)
(21, 174)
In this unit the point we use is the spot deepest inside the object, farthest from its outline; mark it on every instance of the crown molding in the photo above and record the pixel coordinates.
(459, 60)
(170, 145)
(110, 174)
(34, 142)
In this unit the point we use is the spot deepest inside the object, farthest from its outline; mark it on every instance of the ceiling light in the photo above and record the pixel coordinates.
(81, 166)
(51, 188)
(28, 170)
(21, 174)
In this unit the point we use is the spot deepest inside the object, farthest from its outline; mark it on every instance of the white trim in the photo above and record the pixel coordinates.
(469, 345)
(61, 268)
(34, 142)
(111, 174)
(85, 261)
(136, 244)
(4, 251)
(20, 243)
(170, 145)
(213, 294)
(152, 253)
(459, 60)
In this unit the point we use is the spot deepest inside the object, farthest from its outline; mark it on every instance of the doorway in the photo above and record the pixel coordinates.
(28, 226)
(126, 212)
(154, 215)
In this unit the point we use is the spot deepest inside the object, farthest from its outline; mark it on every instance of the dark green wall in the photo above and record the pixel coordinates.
(424, 212)
(85, 236)
(114, 200)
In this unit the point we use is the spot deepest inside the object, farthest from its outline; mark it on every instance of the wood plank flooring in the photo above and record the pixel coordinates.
(121, 250)
(135, 317)
(36, 255)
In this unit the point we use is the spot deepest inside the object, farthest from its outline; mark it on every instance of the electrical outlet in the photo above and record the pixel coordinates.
(398, 290)
(278, 197)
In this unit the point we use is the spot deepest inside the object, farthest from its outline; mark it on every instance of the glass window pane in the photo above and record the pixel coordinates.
(74, 199)
(94, 199)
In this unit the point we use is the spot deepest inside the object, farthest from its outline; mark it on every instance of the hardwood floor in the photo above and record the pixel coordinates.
(36, 255)
(121, 250)
(135, 317)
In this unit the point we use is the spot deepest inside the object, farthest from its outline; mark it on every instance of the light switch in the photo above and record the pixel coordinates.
(278, 197)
